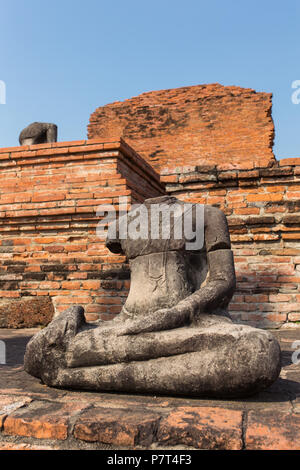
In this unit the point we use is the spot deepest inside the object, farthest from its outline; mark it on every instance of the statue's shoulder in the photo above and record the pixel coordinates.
(216, 228)
(214, 213)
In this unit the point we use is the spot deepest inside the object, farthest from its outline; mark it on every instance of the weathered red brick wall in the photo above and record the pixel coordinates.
(191, 125)
(211, 144)
(49, 250)
(262, 204)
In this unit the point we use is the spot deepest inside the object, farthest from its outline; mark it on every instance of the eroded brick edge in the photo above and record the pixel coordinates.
(37, 424)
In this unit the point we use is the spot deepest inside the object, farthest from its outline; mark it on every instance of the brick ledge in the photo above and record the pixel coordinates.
(28, 423)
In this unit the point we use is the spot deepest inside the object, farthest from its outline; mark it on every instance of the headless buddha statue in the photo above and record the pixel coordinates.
(174, 334)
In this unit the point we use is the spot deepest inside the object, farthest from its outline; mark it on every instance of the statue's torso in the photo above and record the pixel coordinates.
(161, 280)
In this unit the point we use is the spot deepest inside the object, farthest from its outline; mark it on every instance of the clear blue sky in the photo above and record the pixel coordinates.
(61, 59)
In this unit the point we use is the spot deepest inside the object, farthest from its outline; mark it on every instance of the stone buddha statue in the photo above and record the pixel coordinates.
(174, 334)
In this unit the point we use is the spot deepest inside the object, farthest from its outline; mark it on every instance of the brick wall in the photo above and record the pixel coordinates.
(190, 125)
(213, 144)
(262, 204)
(50, 256)
(49, 251)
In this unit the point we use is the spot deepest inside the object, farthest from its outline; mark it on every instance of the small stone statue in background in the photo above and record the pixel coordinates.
(38, 133)
(174, 335)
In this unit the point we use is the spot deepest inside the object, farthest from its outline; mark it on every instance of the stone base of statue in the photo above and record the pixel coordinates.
(215, 358)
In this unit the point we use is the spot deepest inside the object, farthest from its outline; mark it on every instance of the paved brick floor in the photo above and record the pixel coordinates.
(34, 416)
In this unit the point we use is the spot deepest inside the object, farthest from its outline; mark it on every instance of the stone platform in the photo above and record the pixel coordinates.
(34, 416)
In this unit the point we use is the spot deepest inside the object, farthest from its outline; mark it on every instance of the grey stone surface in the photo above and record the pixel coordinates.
(174, 335)
(38, 133)
(283, 394)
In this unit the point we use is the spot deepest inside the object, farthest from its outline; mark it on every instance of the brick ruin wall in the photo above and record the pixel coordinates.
(50, 254)
(184, 126)
(262, 205)
(213, 144)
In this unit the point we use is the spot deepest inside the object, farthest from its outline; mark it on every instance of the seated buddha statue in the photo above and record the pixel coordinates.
(174, 335)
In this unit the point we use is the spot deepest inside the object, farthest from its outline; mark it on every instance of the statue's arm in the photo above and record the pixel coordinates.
(220, 284)
(218, 289)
